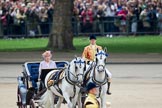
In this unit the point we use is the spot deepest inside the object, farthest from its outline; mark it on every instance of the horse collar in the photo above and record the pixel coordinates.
(74, 89)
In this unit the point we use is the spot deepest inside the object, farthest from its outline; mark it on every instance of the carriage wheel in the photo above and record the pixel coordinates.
(19, 102)
(18, 99)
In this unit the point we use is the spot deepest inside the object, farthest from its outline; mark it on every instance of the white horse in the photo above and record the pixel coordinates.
(99, 76)
(68, 87)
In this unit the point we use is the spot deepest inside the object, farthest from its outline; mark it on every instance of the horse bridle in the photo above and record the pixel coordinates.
(80, 61)
(77, 83)
(103, 67)
(98, 82)
(103, 70)
(75, 76)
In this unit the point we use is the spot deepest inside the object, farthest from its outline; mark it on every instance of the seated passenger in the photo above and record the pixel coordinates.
(47, 63)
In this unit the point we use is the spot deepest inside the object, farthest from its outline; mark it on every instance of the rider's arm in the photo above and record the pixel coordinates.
(86, 54)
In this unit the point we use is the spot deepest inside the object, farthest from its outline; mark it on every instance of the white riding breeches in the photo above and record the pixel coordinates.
(108, 73)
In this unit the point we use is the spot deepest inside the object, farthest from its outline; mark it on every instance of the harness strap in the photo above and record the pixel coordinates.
(67, 77)
(99, 92)
(58, 89)
(74, 89)
(98, 82)
(87, 75)
(68, 80)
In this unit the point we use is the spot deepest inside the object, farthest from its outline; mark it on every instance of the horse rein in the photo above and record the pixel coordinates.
(103, 70)
(75, 76)
(102, 66)
(98, 82)
(77, 83)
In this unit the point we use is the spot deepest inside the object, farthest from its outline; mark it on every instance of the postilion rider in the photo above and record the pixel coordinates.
(89, 56)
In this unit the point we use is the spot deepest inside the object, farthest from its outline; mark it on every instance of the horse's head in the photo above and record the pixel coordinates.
(77, 68)
(101, 56)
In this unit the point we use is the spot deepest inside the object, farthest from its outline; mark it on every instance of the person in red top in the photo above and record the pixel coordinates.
(87, 18)
(123, 14)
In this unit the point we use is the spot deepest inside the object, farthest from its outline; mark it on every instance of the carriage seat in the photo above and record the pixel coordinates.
(33, 69)
(34, 72)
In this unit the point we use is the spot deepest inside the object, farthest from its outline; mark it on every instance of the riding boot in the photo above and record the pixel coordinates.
(108, 88)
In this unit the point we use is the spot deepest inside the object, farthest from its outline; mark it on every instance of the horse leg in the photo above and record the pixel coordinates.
(60, 100)
(47, 99)
(74, 101)
(103, 101)
(52, 101)
(79, 100)
(67, 98)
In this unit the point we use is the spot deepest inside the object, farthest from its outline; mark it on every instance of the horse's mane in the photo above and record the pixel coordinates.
(71, 65)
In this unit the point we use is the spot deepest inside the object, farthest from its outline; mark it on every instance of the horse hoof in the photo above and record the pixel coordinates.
(108, 93)
(108, 104)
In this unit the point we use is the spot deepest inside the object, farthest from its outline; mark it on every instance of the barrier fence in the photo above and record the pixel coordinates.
(107, 26)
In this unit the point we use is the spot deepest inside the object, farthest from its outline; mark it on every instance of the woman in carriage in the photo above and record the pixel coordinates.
(47, 63)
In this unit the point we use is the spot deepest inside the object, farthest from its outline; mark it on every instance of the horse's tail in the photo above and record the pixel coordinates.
(47, 99)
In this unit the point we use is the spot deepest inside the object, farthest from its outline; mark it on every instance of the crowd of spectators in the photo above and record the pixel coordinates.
(126, 16)
(34, 17)
(26, 17)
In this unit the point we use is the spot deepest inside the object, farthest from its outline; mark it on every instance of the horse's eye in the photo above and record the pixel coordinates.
(76, 67)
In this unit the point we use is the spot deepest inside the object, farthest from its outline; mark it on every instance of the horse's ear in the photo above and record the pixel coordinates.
(105, 49)
(75, 57)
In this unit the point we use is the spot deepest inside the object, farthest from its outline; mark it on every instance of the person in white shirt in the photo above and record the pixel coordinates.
(47, 63)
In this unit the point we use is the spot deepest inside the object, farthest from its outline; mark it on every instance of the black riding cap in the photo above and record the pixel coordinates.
(92, 37)
(91, 86)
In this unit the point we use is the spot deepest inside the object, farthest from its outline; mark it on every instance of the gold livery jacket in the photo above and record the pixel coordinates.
(90, 51)
(91, 102)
